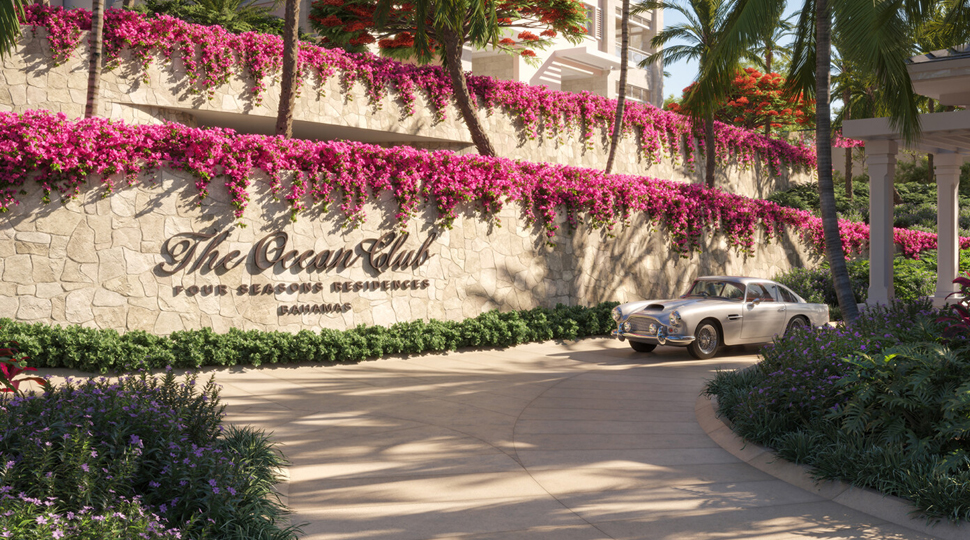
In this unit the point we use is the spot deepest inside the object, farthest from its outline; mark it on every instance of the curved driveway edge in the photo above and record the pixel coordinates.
(583, 440)
(889, 508)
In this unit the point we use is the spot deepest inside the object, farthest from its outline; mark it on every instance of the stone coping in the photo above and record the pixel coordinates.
(887, 507)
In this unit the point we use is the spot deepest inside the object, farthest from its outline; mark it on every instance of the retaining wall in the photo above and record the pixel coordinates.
(117, 262)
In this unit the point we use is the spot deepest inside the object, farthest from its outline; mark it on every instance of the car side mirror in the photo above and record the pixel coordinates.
(755, 301)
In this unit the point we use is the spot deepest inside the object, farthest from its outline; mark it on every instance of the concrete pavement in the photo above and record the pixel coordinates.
(577, 441)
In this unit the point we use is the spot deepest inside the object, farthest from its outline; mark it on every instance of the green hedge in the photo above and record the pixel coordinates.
(102, 351)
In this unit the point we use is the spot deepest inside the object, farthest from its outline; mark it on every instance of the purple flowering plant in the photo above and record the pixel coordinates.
(158, 440)
(28, 517)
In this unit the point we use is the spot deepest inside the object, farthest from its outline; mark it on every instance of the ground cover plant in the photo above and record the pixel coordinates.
(138, 457)
(882, 405)
(102, 351)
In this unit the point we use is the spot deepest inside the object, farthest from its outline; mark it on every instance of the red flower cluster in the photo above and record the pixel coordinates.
(756, 100)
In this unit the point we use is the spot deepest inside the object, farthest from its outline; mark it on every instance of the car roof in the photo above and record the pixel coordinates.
(736, 279)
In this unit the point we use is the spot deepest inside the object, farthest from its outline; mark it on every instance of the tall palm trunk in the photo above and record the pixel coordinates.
(291, 57)
(768, 70)
(462, 96)
(826, 190)
(846, 101)
(94, 60)
(709, 153)
(621, 97)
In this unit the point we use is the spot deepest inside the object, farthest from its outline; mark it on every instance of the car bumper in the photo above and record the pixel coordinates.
(671, 339)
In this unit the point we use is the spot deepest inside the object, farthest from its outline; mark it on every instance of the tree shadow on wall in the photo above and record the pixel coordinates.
(36, 53)
(181, 85)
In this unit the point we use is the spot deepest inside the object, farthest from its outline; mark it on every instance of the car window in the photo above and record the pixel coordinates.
(758, 290)
(788, 296)
(716, 289)
(732, 292)
(775, 293)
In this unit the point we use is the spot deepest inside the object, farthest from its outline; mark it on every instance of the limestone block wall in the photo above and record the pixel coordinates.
(164, 93)
(117, 262)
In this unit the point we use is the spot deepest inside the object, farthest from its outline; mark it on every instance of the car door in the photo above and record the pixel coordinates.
(780, 322)
(760, 313)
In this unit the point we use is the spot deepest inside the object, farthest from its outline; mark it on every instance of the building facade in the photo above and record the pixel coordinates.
(591, 66)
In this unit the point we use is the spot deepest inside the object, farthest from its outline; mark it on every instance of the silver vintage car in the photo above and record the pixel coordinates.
(716, 311)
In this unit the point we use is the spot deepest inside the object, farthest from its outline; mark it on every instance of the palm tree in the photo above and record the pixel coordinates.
(700, 34)
(94, 60)
(9, 24)
(875, 35)
(291, 57)
(621, 97)
(771, 43)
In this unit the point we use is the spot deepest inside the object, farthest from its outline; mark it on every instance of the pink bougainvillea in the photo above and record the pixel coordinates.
(211, 55)
(60, 155)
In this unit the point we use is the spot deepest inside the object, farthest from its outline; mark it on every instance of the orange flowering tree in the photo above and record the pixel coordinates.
(756, 101)
(429, 30)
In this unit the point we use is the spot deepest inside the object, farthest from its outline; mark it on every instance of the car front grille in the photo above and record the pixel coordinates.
(641, 325)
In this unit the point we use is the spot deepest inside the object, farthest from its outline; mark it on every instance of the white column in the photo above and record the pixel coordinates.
(948, 238)
(881, 159)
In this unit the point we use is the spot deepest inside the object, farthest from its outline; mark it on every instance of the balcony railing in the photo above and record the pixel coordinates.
(633, 56)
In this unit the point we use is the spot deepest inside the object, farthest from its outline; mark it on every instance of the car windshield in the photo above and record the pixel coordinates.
(727, 290)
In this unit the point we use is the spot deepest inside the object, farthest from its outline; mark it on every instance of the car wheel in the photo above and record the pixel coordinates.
(640, 346)
(795, 325)
(707, 341)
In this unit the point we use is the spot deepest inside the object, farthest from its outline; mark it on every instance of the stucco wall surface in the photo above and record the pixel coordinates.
(164, 92)
(98, 262)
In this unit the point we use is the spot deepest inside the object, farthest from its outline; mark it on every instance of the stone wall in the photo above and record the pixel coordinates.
(30, 81)
(98, 262)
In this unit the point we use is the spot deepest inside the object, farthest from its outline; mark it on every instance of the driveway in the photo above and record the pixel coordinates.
(577, 441)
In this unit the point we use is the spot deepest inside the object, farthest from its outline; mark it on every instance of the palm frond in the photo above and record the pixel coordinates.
(883, 51)
(10, 10)
(801, 71)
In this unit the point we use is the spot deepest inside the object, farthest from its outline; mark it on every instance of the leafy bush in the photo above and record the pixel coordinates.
(883, 405)
(235, 16)
(912, 280)
(137, 443)
(106, 350)
(805, 197)
(916, 211)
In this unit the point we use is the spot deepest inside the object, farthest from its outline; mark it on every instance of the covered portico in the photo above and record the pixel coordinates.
(945, 77)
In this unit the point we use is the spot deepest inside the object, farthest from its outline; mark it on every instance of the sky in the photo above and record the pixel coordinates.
(683, 73)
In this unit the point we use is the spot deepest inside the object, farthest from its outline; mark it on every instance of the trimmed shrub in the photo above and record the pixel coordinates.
(105, 351)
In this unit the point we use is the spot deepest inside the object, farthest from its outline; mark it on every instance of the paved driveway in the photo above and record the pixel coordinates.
(583, 441)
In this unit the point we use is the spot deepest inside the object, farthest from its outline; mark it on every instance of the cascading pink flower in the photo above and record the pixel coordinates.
(60, 155)
(211, 55)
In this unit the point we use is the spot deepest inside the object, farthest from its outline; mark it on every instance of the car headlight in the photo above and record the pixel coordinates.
(617, 314)
(627, 327)
(675, 319)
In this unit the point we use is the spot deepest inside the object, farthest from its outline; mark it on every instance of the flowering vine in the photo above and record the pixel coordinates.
(211, 55)
(59, 155)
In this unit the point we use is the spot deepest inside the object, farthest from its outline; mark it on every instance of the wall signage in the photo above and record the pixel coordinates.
(380, 254)
(192, 252)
